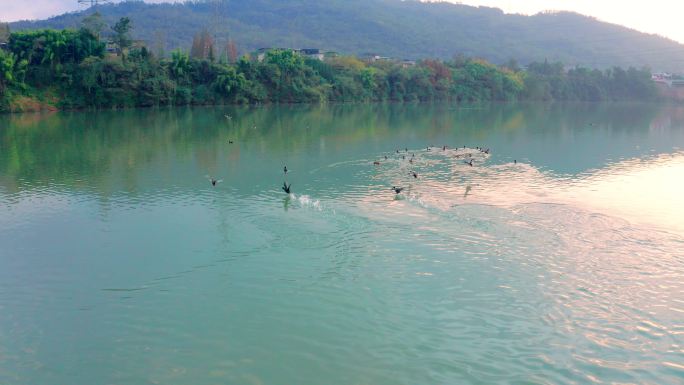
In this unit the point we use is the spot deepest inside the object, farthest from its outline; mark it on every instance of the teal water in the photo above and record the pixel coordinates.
(121, 264)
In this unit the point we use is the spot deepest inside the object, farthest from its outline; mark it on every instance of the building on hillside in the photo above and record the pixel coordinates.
(408, 63)
(372, 58)
(111, 49)
(668, 79)
(260, 54)
(311, 53)
(661, 76)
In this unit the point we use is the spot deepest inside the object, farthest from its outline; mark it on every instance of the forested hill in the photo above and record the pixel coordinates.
(395, 28)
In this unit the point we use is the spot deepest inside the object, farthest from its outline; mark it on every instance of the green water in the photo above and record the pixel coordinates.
(121, 264)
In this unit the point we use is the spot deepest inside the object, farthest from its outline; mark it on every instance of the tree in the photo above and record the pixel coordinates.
(122, 37)
(160, 43)
(512, 65)
(7, 61)
(231, 51)
(94, 24)
(202, 46)
(228, 81)
(196, 50)
(211, 56)
(4, 32)
(180, 64)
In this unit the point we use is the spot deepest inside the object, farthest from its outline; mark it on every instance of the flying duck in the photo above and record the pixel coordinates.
(213, 180)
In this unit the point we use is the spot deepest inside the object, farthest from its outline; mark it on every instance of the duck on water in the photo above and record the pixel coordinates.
(286, 187)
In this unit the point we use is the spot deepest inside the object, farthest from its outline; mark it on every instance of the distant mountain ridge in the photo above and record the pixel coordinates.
(403, 29)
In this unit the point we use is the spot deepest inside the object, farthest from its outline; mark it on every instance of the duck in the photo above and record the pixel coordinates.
(286, 187)
(397, 190)
(230, 142)
(414, 174)
(213, 180)
(376, 163)
(469, 163)
(285, 170)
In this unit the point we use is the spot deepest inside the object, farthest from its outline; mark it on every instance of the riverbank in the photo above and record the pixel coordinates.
(70, 70)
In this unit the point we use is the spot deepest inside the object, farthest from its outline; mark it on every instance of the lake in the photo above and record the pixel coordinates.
(556, 258)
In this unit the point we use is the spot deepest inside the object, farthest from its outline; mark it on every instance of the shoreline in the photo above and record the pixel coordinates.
(54, 109)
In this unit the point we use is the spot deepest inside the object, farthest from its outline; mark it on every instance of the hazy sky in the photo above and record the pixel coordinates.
(663, 17)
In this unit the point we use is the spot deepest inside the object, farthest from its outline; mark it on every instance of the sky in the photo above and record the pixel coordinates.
(663, 17)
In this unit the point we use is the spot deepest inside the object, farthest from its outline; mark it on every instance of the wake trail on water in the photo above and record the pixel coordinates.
(305, 201)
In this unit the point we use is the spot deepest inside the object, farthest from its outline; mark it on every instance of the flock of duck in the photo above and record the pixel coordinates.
(466, 156)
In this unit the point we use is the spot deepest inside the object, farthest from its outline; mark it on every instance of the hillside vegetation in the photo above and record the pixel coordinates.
(402, 29)
(72, 69)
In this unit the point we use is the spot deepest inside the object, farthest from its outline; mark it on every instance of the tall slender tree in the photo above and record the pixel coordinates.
(202, 46)
(122, 37)
(4, 32)
(231, 51)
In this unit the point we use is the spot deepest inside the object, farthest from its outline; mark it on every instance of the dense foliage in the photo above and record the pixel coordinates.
(395, 28)
(70, 69)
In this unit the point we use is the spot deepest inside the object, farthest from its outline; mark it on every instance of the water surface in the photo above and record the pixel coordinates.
(555, 259)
